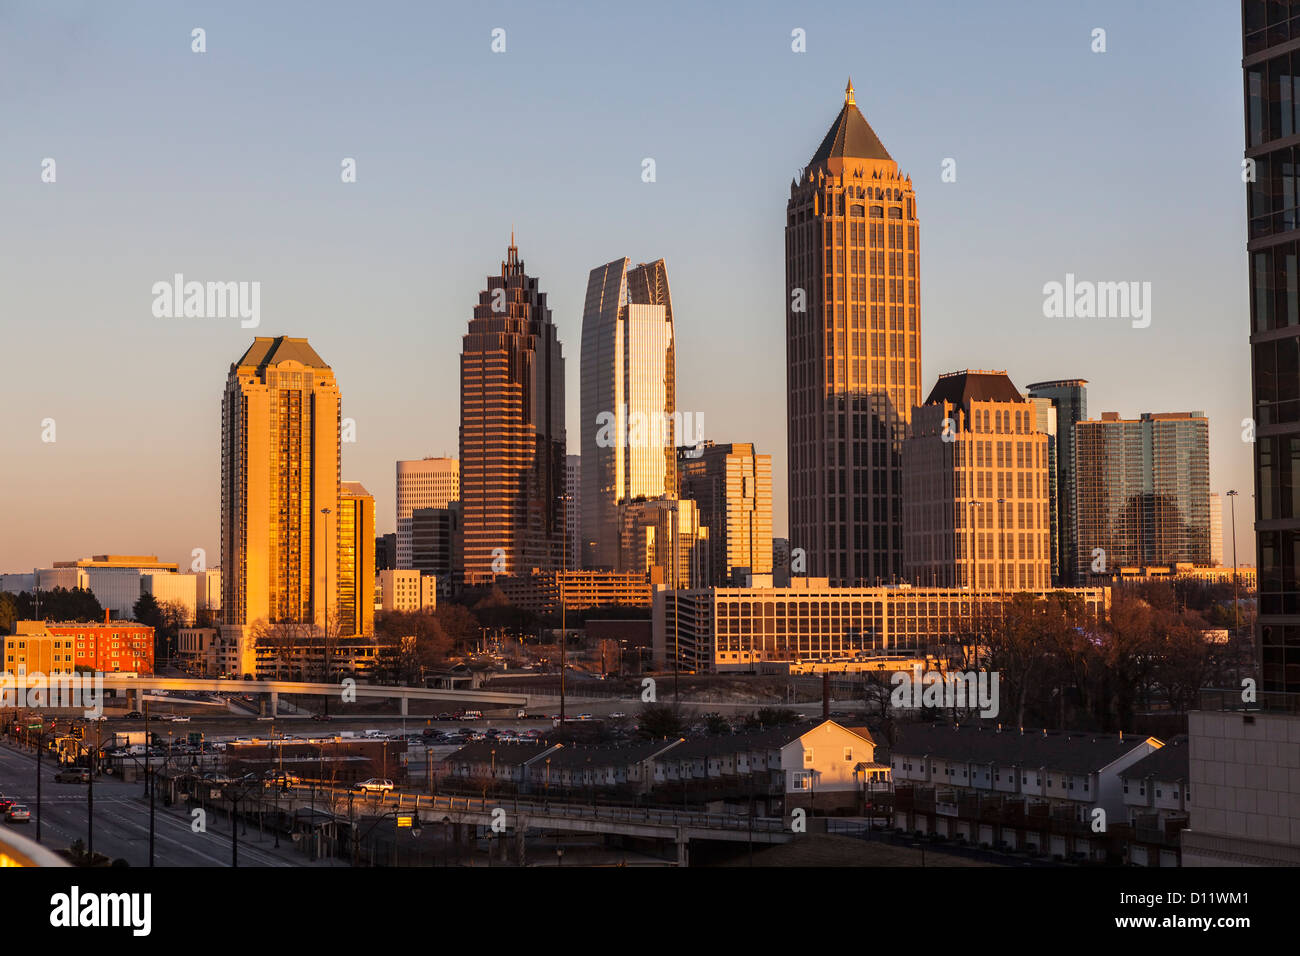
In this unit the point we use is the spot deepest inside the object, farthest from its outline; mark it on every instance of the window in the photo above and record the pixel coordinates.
(848, 754)
(808, 757)
(800, 780)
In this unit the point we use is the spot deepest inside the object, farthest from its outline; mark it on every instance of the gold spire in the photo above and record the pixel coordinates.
(848, 94)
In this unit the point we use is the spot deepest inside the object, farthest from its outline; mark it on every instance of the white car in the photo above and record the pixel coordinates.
(375, 785)
(178, 719)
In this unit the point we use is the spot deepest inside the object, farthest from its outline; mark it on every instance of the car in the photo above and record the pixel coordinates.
(321, 717)
(374, 785)
(180, 719)
(521, 715)
(134, 715)
(5, 804)
(617, 715)
(584, 716)
(18, 814)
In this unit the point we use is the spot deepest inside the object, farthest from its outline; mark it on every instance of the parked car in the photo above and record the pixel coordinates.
(321, 717)
(180, 719)
(617, 715)
(134, 715)
(72, 775)
(5, 804)
(375, 785)
(18, 814)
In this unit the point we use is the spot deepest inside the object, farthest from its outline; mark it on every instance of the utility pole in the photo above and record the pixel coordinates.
(1236, 601)
(40, 745)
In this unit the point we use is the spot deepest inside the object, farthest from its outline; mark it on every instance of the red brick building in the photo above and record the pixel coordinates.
(113, 646)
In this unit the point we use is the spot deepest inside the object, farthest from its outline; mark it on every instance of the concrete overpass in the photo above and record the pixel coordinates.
(135, 685)
(677, 827)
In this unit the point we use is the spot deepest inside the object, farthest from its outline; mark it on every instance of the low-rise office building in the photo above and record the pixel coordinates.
(108, 647)
(714, 630)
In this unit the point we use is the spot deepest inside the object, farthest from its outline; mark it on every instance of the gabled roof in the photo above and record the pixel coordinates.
(271, 351)
(485, 751)
(625, 756)
(770, 738)
(850, 136)
(1170, 762)
(1076, 753)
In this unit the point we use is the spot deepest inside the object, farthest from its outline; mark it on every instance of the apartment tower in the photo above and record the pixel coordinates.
(976, 504)
(280, 418)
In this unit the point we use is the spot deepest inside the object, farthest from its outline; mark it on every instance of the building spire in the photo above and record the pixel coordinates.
(848, 94)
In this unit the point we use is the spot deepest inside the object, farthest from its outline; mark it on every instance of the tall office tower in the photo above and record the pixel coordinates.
(733, 488)
(435, 541)
(386, 552)
(664, 539)
(426, 483)
(1070, 397)
(976, 502)
(853, 352)
(780, 562)
(1273, 248)
(1142, 491)
(511, 430)
(629, 395)
(573, 512)
(354, 598)
(1045, 422)
(280, 418)
(1216, 529)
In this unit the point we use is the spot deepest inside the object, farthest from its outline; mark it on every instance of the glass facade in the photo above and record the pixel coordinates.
(629, 430)
(1070, 399)
(1272, 120)
(1142, 492)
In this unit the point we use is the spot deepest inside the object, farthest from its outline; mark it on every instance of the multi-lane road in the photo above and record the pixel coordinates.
(122, 821)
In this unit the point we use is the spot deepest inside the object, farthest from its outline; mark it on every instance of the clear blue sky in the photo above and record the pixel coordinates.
(225, 166)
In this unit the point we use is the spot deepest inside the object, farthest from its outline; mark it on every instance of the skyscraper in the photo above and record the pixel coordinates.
(355, 600)
(853, 352)
(426, 483)
(1044, 410)
(628, 433)
(1070, 397)
(280, 418)
(732, 486)
(512, 441)
(976, 505)
(573, 512)
(1142, 491)
(1273, 249)
(1216, 528)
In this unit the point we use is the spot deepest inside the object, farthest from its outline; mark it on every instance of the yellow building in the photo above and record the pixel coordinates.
(279, 484)
(356, 557)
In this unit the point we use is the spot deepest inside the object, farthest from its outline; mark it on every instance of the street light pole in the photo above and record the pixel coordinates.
(1236, 602)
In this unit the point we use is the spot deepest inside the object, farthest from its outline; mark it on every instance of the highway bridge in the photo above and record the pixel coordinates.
(135, 685)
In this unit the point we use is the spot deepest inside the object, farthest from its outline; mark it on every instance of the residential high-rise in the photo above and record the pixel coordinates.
(732, 486)
(426, 483)
(1216, 529)
(573, 511)
(1045, 422)
(628, 433)
(976, 504)
(1142, 491)
(1272, 114)
(280, 419)
(512, 441)
(853, 352)
(386, 552)
(1070, 398)
(355, 596)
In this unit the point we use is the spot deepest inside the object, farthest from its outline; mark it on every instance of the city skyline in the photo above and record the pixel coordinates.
(70, 516)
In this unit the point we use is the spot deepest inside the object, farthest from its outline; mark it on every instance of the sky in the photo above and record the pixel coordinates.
(225, 165)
